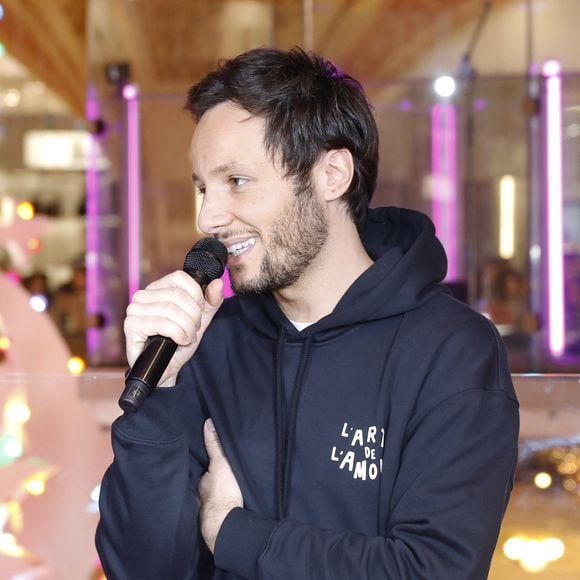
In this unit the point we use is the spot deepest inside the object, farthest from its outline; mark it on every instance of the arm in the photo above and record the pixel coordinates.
(148, 508)
(451, 492)
(148, 525)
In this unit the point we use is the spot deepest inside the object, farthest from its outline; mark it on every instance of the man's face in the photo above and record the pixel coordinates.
(272, 227)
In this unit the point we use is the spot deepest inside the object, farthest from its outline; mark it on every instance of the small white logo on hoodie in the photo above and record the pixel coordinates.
(360, 451)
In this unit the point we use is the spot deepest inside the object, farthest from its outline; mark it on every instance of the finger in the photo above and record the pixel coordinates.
(165, 319)
(176, 300)
(177, 279)
(212, 442)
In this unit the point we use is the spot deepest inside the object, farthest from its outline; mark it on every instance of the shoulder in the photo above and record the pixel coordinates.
(463, 349)
(451, 321)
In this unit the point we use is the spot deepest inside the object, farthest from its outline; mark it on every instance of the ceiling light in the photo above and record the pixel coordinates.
(445, 86)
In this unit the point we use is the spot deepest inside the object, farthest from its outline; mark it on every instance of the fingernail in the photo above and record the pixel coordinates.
(210, 425)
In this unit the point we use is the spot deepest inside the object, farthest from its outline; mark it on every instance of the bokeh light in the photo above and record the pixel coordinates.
(76, 365)
(17, 411)
(38, 302)
(12, 447)
(35, 486)
(533, 554)
(34, 244)
(543, 480)
(9, 547)
(25, 210)
(5, 342)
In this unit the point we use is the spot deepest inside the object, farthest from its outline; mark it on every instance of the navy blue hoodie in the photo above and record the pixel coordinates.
(378, 443)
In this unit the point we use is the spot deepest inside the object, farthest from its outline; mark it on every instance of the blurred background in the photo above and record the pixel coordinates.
(478, 107)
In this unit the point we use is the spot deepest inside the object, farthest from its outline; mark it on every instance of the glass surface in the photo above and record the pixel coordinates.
(66, 443)
(545, 503)
(54, 449)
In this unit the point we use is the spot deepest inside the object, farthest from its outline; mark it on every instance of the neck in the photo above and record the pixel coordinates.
(339, 263)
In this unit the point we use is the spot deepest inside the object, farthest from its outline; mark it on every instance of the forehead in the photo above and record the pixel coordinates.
(227, 128)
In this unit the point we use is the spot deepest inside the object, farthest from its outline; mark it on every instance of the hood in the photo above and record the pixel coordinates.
(409, 265)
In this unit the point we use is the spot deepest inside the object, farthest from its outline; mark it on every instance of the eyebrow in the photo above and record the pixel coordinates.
(223, 168)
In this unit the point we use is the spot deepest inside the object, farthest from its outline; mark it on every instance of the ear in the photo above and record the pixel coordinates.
(337, 167)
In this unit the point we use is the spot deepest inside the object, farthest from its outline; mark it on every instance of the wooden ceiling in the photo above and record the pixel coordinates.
(49, 37)
(171, 43)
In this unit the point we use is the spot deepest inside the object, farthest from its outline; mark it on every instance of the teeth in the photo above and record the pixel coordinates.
(237, 249)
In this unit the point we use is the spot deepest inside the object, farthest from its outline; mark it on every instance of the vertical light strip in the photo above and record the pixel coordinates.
(92, 223)
(507, 200)
(554, 201)
(131, 95)
(444, 172)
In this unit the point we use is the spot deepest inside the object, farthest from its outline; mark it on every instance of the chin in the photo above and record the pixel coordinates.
(246, 286)
(239, 282)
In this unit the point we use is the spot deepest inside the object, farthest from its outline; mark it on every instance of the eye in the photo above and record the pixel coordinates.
(238, 181)
(200, 190)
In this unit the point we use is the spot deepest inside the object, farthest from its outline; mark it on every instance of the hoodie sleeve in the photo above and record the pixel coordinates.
(148, 508)
(455, 477)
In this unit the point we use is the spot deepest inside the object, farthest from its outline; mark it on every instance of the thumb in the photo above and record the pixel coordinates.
(213, 296)
(212, 441)
(214, 293)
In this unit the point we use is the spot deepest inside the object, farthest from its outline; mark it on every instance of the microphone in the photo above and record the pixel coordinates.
(206, 261)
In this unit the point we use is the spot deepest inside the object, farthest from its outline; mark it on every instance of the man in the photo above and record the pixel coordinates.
(343, 417)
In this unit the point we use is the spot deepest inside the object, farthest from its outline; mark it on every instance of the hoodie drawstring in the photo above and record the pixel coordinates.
(286, 430)
(291, 431)
(280, 423)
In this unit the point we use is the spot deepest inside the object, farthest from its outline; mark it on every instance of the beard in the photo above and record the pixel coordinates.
(296, 238)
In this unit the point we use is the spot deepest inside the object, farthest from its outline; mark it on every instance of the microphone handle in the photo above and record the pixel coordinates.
(144, 376)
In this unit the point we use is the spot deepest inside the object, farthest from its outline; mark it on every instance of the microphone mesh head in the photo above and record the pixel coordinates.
(206, 260)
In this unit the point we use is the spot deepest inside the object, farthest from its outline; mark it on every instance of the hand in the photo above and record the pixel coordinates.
(218, 489)
(175, 307)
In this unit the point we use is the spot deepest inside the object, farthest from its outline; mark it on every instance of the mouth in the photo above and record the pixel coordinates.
(240, 247)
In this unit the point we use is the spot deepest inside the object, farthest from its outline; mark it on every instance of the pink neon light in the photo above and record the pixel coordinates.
(92, 224)
(554, 196)
(444, 172)
(133, 191)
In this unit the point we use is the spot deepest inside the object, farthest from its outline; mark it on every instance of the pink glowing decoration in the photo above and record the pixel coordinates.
(92, 221)
(553, 193)
(131, 95)
(444, 173)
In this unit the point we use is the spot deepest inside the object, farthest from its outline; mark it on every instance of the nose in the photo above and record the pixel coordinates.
(213, 214)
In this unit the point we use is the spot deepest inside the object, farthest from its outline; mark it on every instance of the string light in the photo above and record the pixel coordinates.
(5, 343)
(76, 365)
(12, 447)
(34, 244)
(17, 411)
(35, 485)
(25, 210)
(9, 547)
(13, 509)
